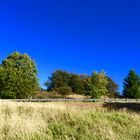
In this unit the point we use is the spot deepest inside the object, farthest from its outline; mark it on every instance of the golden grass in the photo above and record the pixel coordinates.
(66, 121)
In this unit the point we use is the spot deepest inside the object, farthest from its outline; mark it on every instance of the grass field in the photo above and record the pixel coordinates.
(66, 121)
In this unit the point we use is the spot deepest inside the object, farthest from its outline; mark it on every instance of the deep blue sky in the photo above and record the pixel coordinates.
(74, 35)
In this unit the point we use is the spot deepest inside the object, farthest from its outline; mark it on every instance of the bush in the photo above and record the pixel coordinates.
(66, 90)
(41, 95)
(7, 95)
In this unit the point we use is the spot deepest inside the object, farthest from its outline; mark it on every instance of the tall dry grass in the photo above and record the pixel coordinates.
(65, 121)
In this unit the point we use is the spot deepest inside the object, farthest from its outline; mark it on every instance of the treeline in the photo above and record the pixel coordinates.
(18, 79)
(96, 85)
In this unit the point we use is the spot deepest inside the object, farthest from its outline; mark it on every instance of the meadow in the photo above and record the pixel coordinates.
(66, 121)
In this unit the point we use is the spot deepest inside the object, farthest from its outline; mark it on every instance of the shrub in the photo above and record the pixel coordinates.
(66, 90)
(7, 95)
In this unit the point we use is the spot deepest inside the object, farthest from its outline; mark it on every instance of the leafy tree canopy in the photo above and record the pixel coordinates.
(97, 84)
(64, 79)
(58, 79)
(112, 87)
(18, 76)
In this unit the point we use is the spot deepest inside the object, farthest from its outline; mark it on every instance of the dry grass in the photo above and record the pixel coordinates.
(66, 121)
(77, 96)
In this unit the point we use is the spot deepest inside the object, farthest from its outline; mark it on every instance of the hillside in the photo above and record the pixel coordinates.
(66, 121)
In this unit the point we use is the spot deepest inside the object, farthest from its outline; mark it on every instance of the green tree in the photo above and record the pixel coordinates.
(132, 85)
(112, 87)
(18, 76)
(67, 80)
(96, 85)
(77, 83)
(58, 79)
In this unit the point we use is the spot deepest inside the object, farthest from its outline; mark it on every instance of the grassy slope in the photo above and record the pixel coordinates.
(66, 121)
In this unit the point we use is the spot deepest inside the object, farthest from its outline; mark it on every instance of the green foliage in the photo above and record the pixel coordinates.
(112, 87)
(7, 95)
(61, 80)
(65, 90)
(58, 79)
(18, 76)
(97, 85)
(78, 83)
(132, 85)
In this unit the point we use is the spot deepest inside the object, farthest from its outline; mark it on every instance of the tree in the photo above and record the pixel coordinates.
(58, 79)
(77, 83)
(112, 87)
(61, 79)
(132, 85)
(96, 85)
(18, 76)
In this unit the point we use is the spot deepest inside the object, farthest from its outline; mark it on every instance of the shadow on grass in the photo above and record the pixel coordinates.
(135, 107)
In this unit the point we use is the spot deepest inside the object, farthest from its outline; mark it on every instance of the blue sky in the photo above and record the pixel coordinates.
(79, 36)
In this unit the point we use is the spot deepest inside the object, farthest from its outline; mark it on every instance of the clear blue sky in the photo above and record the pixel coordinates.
(74, 35)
